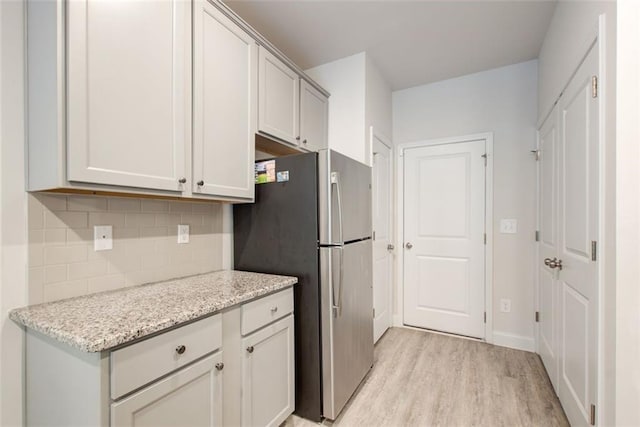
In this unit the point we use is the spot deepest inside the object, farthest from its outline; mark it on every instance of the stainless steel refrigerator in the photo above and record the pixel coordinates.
(312, 219)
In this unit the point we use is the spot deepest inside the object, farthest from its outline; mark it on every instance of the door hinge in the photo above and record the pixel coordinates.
(536, 154)
(594, 86)
(537, 235)
(374, 312)
(537, 316)
(374, 234)
(594, 250)
(484, 156)
(485, 317)
(592, 415)
(485, 238)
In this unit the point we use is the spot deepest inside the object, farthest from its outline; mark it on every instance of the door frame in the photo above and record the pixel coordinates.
(488, 223)
(373, 133)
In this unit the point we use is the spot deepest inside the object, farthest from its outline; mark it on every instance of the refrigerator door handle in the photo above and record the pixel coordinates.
(337, 308)
(335, 180)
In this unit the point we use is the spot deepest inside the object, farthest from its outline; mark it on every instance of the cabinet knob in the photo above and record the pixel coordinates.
(182, 180)
(274, 309)
(297, 138)
(200, 183)
(219, 366)
(250, 349)
(181, 349)
(304, 141)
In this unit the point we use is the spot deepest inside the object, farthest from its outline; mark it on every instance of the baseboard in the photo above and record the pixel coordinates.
(397, 320)
(518, 342)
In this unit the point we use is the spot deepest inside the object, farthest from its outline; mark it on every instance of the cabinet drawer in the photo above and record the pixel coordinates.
(263, 311)
(139, 364)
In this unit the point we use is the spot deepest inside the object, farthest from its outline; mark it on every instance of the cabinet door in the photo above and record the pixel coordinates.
(268, 375)
(225, 96)
(278, 98)
(314, 117)
(190, 397)
(129, 86)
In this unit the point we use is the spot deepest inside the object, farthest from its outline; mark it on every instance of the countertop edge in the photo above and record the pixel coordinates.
(20, 316)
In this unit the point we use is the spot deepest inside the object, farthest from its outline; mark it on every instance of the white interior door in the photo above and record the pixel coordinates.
(579, 178)
(548, 246)
(382, 256)
(444, 226)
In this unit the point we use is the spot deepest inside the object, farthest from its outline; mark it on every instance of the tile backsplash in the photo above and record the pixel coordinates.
(63, 264)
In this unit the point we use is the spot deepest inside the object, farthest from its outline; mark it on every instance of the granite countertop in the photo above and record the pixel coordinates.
(105, 320)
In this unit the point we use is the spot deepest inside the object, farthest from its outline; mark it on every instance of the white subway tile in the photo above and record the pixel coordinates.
(135, 278)
(147, 232)
(203, 208)
(125, 234)
(58, 291)
(35, 213)
(55, 236)
(124, 204)
(55, 273)
(182, 207)
(36, 283)
(65, 219)
(106, 218)
(174, 219)
(132, 220)
(64, 254)
(52, 202)
(77, 236)
(162, 220)
(36, 237)
(83, 270)
(149, 205)
(192, 219)
(124, 263)
(86, 203)
(36, 255)
(105, 283)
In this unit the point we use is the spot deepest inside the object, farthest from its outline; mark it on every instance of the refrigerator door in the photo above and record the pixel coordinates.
(344, 198)
(347, 321)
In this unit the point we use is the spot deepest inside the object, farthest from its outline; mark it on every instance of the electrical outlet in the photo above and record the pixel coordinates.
(183, 233)
(508, 226)
(505, 305)
(102, 238)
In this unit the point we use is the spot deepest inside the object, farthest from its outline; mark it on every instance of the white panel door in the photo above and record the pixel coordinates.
(278, 98)
(579, 180)
(190, 397)
(444, 225)
(548, 245)
(268, 390)
(225, 97)
(314, 118)
(382, 256)
(129, 86)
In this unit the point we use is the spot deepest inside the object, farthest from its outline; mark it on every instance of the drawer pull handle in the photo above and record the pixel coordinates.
(219, 366)
(274, 309)
(181, 349)
(250, 349)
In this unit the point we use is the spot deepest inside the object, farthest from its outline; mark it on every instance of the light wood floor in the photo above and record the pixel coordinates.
(426, 379)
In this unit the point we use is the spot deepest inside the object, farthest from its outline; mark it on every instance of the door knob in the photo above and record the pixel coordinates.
(408, 245)
(547, 261)
(390, 247)
(553, 263)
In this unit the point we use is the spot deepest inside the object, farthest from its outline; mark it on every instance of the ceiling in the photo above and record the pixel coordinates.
(411, 42)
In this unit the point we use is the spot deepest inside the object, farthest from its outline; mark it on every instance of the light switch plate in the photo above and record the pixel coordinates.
(102, 238)
(508, 226)
(183, 233)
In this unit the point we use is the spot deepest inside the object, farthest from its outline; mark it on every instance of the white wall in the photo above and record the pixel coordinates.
(502, 101)
(13, 211)
(574, 26)
(377, 104)
(345, 80)
(627, 408)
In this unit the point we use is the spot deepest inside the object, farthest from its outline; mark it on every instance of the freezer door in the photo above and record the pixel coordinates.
(344, 198)
(347, 322)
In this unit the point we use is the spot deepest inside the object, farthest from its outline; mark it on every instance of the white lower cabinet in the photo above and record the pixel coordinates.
(189, 397)
(268, 375)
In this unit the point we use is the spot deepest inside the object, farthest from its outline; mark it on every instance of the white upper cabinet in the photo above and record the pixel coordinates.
(128, 84)
(224, 94)
(278, 98)
(314, 117)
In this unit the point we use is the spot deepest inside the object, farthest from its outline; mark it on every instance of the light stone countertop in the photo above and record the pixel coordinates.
(105, 320)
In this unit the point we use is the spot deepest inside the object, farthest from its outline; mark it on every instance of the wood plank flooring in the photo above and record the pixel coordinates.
(425, 379)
